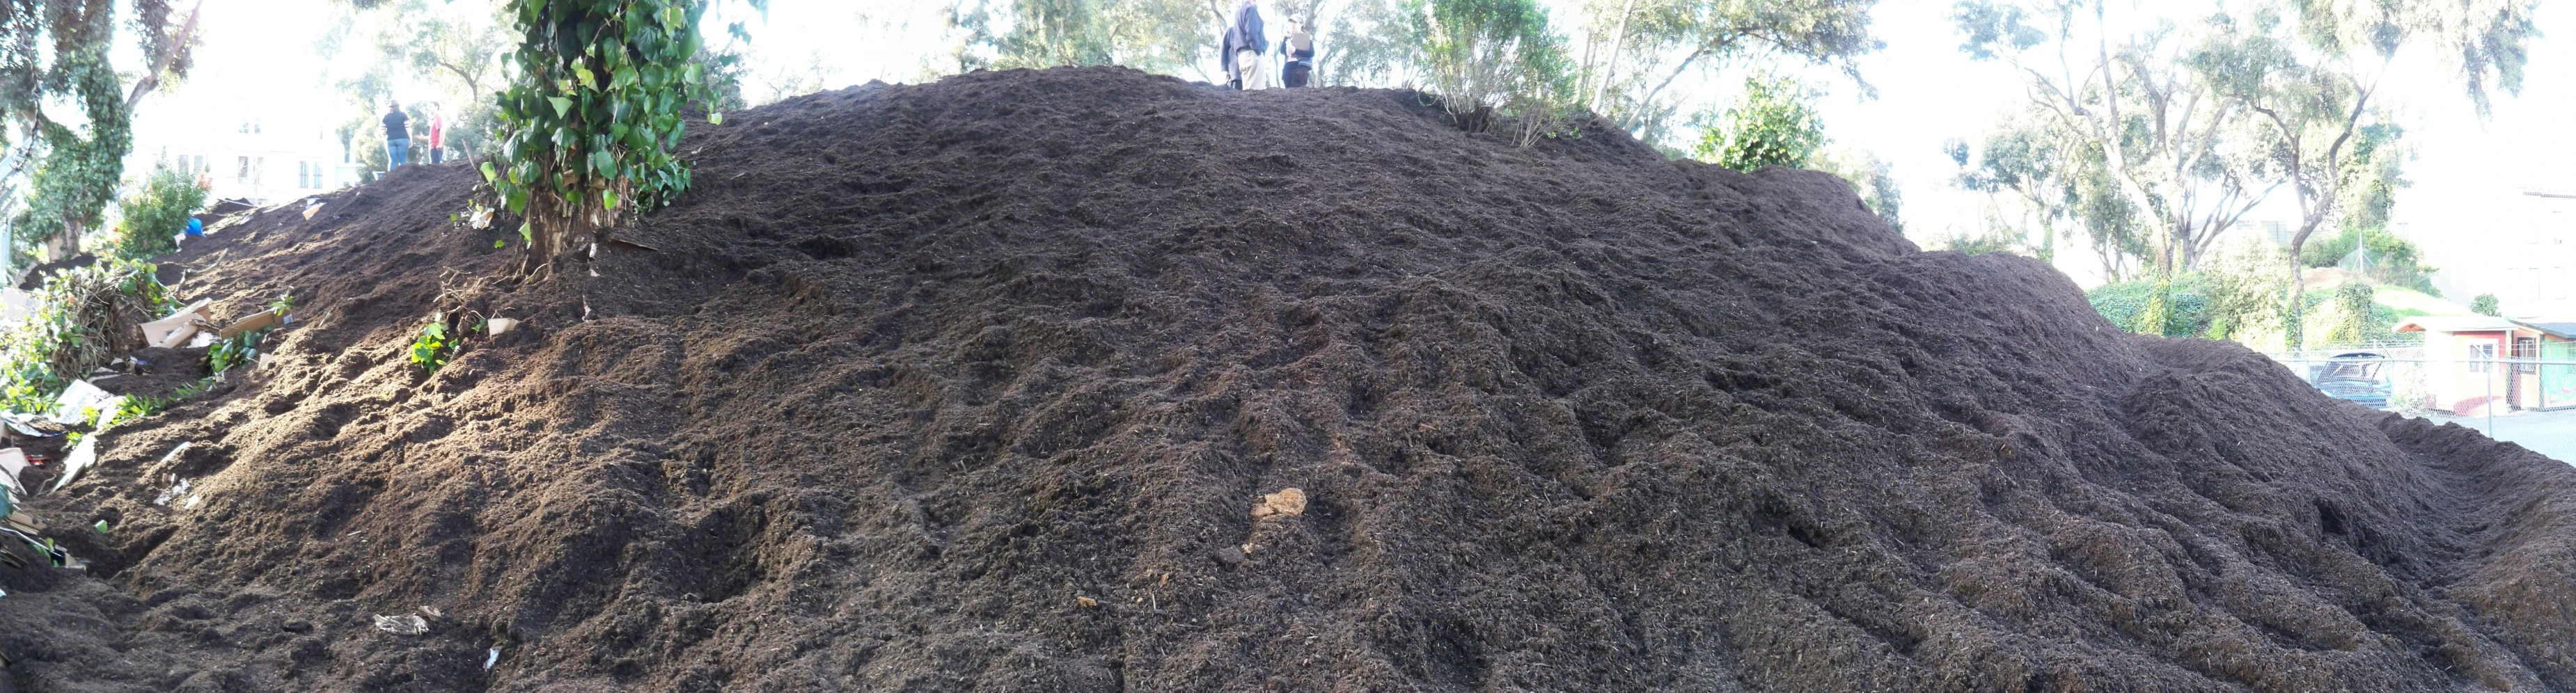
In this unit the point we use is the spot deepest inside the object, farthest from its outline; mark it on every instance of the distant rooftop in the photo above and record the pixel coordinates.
(2454, 323)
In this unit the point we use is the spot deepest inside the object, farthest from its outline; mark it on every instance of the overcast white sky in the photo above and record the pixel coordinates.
(2465, 173)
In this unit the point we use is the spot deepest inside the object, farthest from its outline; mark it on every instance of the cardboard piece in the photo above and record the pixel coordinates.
(494, 327)
(25, 424)
(22, 521)
(13, 460)
(82, 395)
(257, 321)
(82, 455)
(16, 305)
(177, 328)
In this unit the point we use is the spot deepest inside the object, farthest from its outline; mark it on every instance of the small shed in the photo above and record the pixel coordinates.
(2477, 361)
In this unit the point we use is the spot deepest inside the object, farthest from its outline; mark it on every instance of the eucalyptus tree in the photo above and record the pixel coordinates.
(1164, 36)
(2130, 90)
(1623, 57)
(2037, 177)
(1635, 51)
(1873, 178)
(463, 55)
(2023, 168)
(2312, 71)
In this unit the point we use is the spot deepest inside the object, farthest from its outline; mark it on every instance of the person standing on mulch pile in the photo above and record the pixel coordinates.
(437, 134)
(397, 135)
(1299, 47)
(1242, 48)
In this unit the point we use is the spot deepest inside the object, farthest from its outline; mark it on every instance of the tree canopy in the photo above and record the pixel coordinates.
(1152, 35)
(1638, 49)
(59, 50)
(1771, 124)
(2188, 125)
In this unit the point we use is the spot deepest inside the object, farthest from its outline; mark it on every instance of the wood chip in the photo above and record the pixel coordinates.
(1288, 502)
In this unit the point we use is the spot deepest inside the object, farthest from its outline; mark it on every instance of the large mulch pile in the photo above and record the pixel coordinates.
(976, 385)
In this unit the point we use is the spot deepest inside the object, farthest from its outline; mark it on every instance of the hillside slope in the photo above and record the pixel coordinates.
(974, 386)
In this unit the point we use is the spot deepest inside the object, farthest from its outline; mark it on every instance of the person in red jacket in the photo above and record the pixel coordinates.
(437, 134)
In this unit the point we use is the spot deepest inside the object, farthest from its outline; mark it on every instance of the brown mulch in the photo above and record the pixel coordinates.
(975, 385)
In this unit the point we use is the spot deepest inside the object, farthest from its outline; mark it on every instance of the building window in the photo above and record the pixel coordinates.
(303, 175)
(2482, 357)
(241, 171)
(257, 167)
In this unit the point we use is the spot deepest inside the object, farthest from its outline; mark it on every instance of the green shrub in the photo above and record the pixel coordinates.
(137, 406)
(84, 317)
(1489, 58)
(227, 354)
(1772, 124)
(2326, 251)
(2385, 257)
(433, 348)
(2354, 315)
(156, 213)
(2485, 304)
(2187, 313)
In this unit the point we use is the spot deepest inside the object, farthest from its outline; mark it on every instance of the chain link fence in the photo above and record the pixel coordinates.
(2407, 380)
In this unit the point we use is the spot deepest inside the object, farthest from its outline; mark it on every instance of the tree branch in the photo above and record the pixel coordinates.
(178, 47)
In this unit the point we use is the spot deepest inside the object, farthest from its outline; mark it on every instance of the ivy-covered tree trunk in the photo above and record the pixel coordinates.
(588, 129)
(70, 187)
(58, 51)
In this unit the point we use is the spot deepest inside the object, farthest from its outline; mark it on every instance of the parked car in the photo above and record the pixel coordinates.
(2357, 376)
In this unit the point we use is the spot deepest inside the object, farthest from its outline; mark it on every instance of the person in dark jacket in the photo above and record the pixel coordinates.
(1241, 49)
(397, 135)
(1298, 47)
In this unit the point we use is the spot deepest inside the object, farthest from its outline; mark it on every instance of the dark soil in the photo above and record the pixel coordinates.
(164, 372)
(974, 386)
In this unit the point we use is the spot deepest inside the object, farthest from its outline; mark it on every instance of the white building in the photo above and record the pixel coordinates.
(241, 153)
(2518, 244)
(2534, 255)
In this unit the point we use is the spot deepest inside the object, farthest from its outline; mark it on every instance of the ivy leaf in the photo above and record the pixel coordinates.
(500, 244)
(608, 198)
(527, 233)
(489, 176)
(715, 118)
(562, 105)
